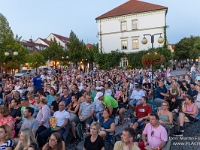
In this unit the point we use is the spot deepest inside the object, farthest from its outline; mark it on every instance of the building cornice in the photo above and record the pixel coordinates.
(135, 15)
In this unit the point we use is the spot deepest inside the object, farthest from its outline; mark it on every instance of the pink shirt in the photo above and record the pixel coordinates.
(190, 109)
(160, 134)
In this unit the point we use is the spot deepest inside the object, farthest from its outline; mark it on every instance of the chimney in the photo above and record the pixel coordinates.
(30, 40)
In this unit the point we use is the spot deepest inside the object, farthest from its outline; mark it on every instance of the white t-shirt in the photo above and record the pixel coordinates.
(60, 117)
(137, 94)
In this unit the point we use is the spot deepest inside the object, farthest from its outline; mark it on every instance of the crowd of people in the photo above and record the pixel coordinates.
(37, 112)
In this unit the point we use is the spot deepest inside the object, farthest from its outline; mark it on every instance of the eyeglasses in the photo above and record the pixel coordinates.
(52, 140)
(164, 105)
(152, 133)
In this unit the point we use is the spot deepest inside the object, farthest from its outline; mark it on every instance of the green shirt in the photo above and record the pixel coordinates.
(109, 101)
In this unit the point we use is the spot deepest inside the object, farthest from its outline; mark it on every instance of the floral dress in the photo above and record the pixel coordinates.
(6, 120)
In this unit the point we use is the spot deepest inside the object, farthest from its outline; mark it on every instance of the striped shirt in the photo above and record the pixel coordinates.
(8, 143)
(44, 115)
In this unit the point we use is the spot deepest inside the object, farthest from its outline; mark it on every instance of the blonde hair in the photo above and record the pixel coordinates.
(28, 139)
(98, 127)
(8, 131)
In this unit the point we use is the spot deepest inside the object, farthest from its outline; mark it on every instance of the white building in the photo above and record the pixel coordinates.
(123, 28)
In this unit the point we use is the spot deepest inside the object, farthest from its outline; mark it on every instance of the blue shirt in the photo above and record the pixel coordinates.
(67, 99)
(192, 93)
(50, 99)
(107, 124)
(37, 82)
(160, 90)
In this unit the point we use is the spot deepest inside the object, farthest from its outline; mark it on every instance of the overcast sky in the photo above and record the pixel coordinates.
(39, 18)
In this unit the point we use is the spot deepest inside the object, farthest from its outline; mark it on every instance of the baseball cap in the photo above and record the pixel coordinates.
(99, 94)
(24, 98)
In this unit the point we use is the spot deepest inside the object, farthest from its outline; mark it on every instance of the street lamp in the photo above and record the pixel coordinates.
(11, 56)
(154, 55)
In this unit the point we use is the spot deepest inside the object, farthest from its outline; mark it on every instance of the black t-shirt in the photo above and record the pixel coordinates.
(147, 85)
(15, 113)
(55, 105)
(183, 88)
(97, 145)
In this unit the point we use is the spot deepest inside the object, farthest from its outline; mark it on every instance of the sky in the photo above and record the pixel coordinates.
(39, 18)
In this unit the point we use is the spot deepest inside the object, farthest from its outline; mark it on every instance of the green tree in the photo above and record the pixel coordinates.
(36, 60)
(185, 49)
(9, 43)
(76, 48)
(54, 52)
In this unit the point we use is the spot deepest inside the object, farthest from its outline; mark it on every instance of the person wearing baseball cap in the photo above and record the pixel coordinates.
(109, 102)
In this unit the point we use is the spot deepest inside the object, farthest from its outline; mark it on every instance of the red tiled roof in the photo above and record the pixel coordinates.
(62, 38)
(88, 45)
(45, 40)
(131, 7)
(32, 44)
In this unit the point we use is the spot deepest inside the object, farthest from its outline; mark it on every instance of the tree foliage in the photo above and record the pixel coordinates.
(185, 48)
(9, 43)
(36, 60)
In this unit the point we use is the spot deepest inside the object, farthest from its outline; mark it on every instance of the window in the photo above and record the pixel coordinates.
(124, 44)
(134, 24)
(123, 26)
(135, 44)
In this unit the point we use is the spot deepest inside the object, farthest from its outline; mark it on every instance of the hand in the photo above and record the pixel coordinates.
(139, 120)
(145, 143)
(57, 129)
(154, 148)
(176, 110)
(102, 129)
(82, 119)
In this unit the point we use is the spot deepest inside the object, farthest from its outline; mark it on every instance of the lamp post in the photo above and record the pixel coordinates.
(10, 54)
(145, 41)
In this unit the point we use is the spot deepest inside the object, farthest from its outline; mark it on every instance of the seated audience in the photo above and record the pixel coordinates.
(54, 105)
(189, 112)
(174, 104)
(136, 97)
(43, 116)
(174, 90)
(165, 116)
(147, 87)
(6, 119)
(184, 87)
(127, 140)
(154, 135)
(161, 93)
(141, 114)
(122, 102)
(55, 142)
(94, 141)
(73, 108)
(62, 120)
(66, 97)
(30, 122)
(192, 91)
(27, 141)
(107, 124)
(85, 114)
(51, 97)
(6, 142)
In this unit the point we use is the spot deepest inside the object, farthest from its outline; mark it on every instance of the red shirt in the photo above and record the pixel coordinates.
(143, 111)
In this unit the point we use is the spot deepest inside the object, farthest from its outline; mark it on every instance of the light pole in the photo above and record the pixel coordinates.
(145, 41)
(10, 54)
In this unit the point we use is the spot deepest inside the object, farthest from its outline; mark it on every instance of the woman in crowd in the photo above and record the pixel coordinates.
(107, 124)
(108, 91)
(43, 116)
(54, 143)
(174, 90)
(51, 97)
(165, 116)
(187, 79)
(5, 138)
(6, 119)
(83, 97)
(27, 141)
(122, 102)
(174, 104)
(94, 141)
(189, 112)
(73, 108)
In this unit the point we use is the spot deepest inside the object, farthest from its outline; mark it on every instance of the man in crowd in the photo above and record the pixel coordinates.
(54, 106)
(192, 91)
(161, 93)
(136, 97)
(30, 121)
(141, 113)
(127, 140)
(66, 97)
(62, 120)
(154, 134)
(109, 102)
(147, 87)
(86, 112)
(37, 83)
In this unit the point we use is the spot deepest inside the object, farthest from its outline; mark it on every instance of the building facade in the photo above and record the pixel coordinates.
(123, 28)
